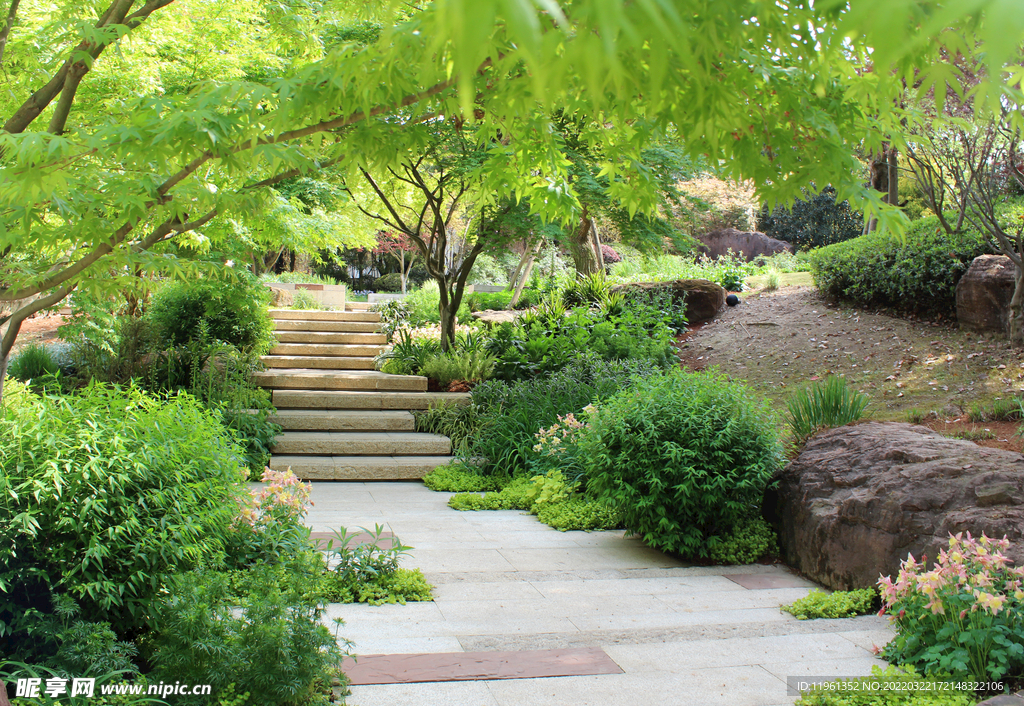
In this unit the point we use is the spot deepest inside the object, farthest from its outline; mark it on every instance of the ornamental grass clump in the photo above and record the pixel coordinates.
(684, 457)
(824, 405)
(964, 617)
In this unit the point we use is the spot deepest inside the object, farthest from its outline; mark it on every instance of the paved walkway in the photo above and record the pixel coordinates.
(504, 581)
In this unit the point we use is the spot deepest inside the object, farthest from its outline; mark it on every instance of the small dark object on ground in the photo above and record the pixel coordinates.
(732, 300)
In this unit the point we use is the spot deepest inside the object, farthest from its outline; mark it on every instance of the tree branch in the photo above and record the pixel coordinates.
(5, 31)
(17, 317)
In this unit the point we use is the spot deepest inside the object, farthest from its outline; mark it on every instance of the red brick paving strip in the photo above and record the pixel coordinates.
(470, 666)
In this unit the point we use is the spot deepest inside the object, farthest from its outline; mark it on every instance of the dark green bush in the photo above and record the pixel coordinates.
(234, 312)
(388, 283)
(267, 638)
(684, 457)
(916, 273)
(456, 421)
(33, 362)
(512, 413)
(812, 222)
(104, 493)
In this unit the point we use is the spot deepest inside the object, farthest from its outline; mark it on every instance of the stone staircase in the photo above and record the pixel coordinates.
(341, 419)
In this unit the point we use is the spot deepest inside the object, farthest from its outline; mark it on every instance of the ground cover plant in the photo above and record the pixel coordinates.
(837, 604)
(963, 617)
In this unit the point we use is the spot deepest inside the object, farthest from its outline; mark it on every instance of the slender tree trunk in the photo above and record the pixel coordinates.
(581, 248)
(4, 361)
(879, 171)
(526, 276)
(1016, 323)
(893, 177)
(5, 32)
(514, 279)
(401, 265)
(598, 253)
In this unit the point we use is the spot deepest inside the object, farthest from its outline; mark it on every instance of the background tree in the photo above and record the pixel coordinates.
(101, 166)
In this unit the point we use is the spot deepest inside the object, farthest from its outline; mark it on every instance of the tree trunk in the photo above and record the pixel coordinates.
(581, 247)
(597, 247)
(893, 177)
(879, 171)
(1017, 310)
(5, 359)
(5, 31)
(532, 253)
(514, 279)
(448, 312)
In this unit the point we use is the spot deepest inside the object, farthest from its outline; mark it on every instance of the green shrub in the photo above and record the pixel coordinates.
(267, 639)
(423, 305)
(297, 278)
(749, 540)
(895, 687)
(393, 315)
(305, 300)
(456, 478)
(234, 312)
(459, 422)
(487, 270)
(469, 366)
(105, 492)
(388, 283)
(824, 405)
(33, 362)
(511, 414)
(813, 221)
(684, 457)
(367, 572)
(586, 290)
(838, 604)
(914, 273)
(399, 586)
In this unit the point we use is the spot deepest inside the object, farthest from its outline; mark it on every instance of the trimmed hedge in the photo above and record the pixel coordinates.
(814, 221)
(916, 273)
(388, 283)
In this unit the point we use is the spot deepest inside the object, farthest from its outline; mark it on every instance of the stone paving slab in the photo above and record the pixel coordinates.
(506, 583)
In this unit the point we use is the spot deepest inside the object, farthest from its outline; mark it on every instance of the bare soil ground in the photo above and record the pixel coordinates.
(912, 370)
(37, 329)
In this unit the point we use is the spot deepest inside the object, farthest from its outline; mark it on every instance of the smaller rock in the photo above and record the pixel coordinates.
(703, 298)
(280, 298)
(496, 317)
(983, 294)
(732, 300)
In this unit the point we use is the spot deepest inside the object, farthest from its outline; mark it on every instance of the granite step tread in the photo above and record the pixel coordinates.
(344, 420)
(333, 326)
(349, 380)
(327, 349)
(315, 337)
(358, 467)
(352, 399)
(324, 315)
(362, 443)
(322, 362)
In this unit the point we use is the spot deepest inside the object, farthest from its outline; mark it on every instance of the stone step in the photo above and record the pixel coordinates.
(346, 399)
(358, 467)
(318, 380)
(361, 443)
(324, 362)
(318, 315)
(343, 420)
(317, 337)
(337, 326)
(327, 349)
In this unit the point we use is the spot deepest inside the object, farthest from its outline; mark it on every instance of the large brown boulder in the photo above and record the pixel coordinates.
(703, 298)
(747, 244)
(983, 294)
(858, 499)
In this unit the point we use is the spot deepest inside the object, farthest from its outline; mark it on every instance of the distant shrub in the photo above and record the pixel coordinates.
(33, 362)
(609, 254)
(470, 366)
(305, 299)
(812, 222)
(684, 457)
(487, 270)
(297, 278)
(824, 405)
(915, 273)
(388, 283)
(234, 312)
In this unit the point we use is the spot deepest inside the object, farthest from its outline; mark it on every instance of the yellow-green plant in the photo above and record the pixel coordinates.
(824, 405)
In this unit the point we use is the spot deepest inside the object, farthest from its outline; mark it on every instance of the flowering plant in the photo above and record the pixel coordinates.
(556, 448)
(964, 617)
(284, 497)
